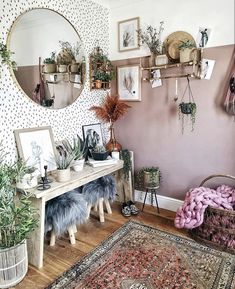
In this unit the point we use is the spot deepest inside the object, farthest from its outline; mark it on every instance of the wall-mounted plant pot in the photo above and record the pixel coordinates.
(187, 107)
(63, 175)
(100, 156)
(73, 68)
(98, 84)
(188, 54)
(49, 68)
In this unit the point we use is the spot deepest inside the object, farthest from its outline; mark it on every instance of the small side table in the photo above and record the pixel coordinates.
(153, 190)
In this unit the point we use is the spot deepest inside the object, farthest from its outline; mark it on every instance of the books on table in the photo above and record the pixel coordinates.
(108, 161)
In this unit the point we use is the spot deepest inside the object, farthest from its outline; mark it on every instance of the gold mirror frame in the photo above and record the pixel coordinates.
(13, 25)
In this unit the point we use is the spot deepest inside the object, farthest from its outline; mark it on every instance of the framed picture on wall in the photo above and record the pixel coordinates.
(127, 34)
(36, 147)
(128, 82)
(93, 134)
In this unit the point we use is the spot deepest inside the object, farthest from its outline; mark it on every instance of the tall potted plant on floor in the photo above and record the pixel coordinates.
(18, 219)
(110, 111)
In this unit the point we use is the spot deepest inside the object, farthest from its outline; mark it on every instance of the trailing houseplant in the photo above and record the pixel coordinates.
(151, 37)
(147, 176)
(110, 111)
(188, 108)
(6, 56)
(127, 165)
(18, 219)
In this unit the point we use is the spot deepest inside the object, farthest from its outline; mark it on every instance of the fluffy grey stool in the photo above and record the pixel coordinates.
(98, 192)
(64, 213)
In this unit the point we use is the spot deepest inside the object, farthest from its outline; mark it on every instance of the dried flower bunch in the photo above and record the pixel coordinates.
(151, 37)
(112, 109)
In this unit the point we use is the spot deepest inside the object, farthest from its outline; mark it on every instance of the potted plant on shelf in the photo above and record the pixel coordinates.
(49, 64)
(18, 220)
(25, 176)
(110, 111)
(78, 149)
(151, 37)
(63, 160)
(188, 50)
(99, 153)
(6, 56)
(188, 108)
(147, 177)
(102, 77)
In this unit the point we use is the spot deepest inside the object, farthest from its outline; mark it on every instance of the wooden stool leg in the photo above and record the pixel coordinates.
(145, 199)
(74, 228)
(71, 235)
(88, 211)
(52, 240)
(101, 210)
(107, 205)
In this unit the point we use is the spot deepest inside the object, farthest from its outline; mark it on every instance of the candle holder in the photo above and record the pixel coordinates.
(46, 180)
(43, 186)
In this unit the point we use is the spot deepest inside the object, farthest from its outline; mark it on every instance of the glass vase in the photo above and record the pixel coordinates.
(112, 144)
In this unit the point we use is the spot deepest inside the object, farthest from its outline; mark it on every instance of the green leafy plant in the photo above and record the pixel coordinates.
(20, 169)
(151, 37)
(6, 56)
(99, 149)
(154, 176)
(18, 216)
(186, 44)
(51, 59)
(76, 148)
(127, 166)
(190, 109)
(63, 159)
(103, 76)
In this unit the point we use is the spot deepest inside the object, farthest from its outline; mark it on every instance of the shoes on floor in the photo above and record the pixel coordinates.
(129, 209)
(126, 211)
(133, 208)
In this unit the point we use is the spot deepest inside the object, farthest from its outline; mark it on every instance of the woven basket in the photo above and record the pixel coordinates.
(218, 228)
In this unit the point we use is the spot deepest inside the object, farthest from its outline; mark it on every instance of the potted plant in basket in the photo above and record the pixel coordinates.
(63, 161)
(49, 64)
(110, 111)
(147, 176)
(78, 149)
(18, 220)
(187, 50)
(151, 37)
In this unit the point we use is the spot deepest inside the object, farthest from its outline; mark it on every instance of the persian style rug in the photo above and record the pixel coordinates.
(141, 257)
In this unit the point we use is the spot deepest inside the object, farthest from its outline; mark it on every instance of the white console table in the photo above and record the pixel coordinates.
(39, 199)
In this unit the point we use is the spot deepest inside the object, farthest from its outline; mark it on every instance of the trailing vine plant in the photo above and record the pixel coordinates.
(6, 56)
(126, 157)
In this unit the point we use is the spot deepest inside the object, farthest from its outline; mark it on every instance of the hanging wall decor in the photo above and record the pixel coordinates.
(188, 108)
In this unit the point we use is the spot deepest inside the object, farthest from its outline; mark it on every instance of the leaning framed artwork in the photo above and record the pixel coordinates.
(92, 133)
(127, 34)
(36, 147)
(129, 82)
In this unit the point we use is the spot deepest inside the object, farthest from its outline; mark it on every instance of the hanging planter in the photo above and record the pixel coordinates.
(188, 108)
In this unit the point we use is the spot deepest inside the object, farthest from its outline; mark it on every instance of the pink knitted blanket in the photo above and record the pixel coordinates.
(190, 215)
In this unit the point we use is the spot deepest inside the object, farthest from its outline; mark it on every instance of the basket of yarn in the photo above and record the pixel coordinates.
(218, 227)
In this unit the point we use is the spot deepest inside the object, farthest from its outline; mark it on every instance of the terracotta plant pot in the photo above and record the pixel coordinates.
(98, 84)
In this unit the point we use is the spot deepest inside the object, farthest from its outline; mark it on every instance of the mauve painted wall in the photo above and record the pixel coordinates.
(152, 128)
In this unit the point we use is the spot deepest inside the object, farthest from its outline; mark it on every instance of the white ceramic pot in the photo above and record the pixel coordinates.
(63, 175)
(78, 165)
(29, 181)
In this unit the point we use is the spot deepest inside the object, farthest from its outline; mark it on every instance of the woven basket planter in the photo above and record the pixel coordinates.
(13, 265)
(218, 228)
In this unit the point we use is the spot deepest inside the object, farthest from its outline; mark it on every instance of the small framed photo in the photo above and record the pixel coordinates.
(207, 68)
(203, 36)
(127, 34)
(93, 134)
(36, 147)
(129, 82)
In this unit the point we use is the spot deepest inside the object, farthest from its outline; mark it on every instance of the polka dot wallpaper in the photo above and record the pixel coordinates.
(16, 110)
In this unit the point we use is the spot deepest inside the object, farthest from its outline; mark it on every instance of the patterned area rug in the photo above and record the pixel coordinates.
(141, 257)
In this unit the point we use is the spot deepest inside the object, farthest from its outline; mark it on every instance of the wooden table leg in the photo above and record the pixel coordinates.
(36, 240)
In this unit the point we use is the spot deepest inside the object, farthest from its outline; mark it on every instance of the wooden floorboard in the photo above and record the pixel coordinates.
(62, 256)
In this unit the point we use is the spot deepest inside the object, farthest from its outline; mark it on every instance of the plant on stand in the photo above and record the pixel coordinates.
(188, 108)
(147, 176)
(110, 111)
(151, 37)
(78, 149)
(49, 64)
(18, 219)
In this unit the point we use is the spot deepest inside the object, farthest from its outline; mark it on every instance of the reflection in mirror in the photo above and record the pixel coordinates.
(49, 56)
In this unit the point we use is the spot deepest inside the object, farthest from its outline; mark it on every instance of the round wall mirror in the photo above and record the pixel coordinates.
(50, 58)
